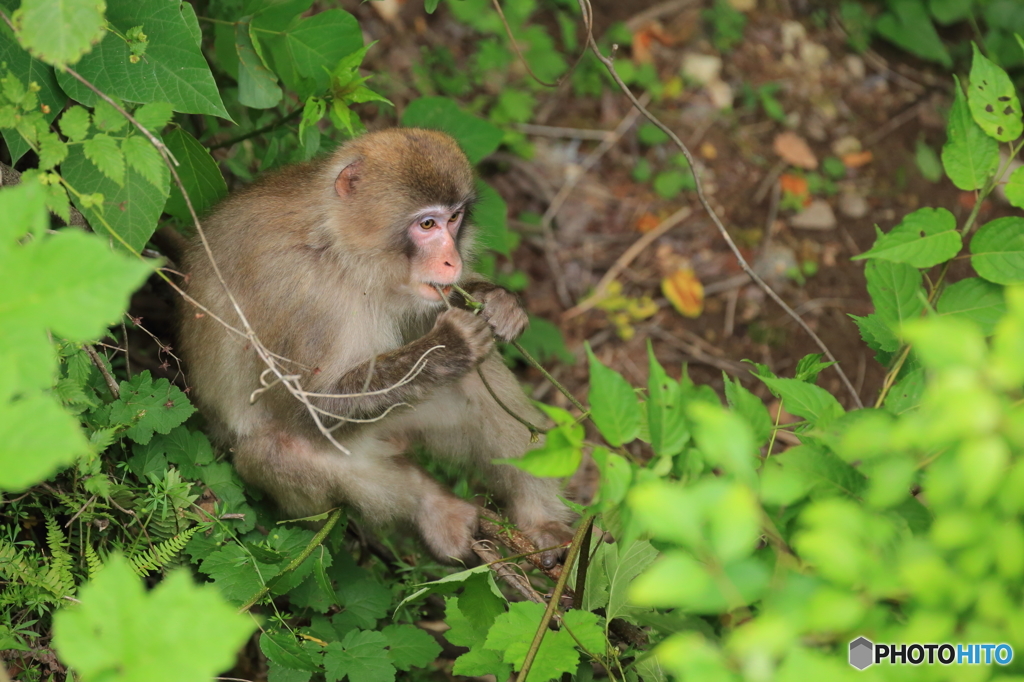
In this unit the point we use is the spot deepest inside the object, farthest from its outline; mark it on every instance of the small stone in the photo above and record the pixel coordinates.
(855, 67)
(720, 93)
(792, 33)
(701, 68)
(817, 216)
(813, 54)
(846, 145)
(853, 205)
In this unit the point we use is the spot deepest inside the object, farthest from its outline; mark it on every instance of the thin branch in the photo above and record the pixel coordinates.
(259, 131)
(112, 386)
(506, 572)
(610, 66)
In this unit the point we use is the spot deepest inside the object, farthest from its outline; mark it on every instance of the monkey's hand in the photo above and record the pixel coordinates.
(504, 312)
(466, 337)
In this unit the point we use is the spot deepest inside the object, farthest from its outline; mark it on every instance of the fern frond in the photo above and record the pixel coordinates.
(60, 559)
(92, 560)
(158, 556)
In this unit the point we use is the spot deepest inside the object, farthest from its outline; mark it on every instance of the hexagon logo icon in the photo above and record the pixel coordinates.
(861, 653)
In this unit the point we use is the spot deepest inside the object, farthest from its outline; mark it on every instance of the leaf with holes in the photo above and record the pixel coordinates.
(997, 250)
(993, 100)
(924, 238)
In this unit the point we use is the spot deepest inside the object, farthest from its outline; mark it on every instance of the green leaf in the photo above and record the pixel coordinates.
(366, 601)
(104, 153)
(59, 32)
(173, 70)
(976, 300)
(585, 627)
(51, 150)
(410, 647)
(909, 27)
(143, 157)
(154, 116)
(29, 70)
(895, 290)
(37, 436)
(199, 174)
(74, 123)
(282, 649)
(616, 475)
(512, 633)
(306, 50)
(561, 453)
(671, 182)
(257, 85)
(613, 404)
(824, 473)
(430, 5)
(813, 403)
(993, 99)
(876, 333)
(361, 657)
(149, 406)
(924, 238)
(477, 137)
(906, 394)
(750, 407)
(927, 162)
(130, 210)
(969, 156)
(490, 217)
(669, 431)
(177, 631)
(679, 580)
(106, 118)
(997, 250)
(724, 439)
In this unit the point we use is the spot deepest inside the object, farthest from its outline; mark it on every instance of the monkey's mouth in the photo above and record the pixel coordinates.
(429, 291)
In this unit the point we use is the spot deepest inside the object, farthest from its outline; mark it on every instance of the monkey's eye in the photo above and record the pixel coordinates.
(455, 216)
(428, 223)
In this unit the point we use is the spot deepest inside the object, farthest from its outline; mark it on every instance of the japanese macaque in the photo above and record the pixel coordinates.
(339, 266)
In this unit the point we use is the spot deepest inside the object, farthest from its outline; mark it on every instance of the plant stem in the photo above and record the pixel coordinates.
(259, 131)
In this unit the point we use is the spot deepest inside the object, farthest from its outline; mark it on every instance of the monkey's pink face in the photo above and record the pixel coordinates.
(436, 259)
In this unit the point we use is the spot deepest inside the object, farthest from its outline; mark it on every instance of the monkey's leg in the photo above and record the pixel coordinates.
(307, 477)
(465, 424)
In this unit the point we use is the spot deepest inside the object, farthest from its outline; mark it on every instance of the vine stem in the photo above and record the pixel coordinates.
(556, 594)
(317, 540)
(585, 8)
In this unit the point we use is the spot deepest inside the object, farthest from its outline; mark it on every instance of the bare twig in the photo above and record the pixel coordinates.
(623, 262)
(506, 571)
(571, 133)
(112, 386)
(610, 66)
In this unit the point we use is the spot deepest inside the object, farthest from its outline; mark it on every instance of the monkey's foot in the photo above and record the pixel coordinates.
(554, 537)
(449, 529)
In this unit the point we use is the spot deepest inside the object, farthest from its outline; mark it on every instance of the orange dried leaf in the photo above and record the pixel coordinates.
(685, 292)
(647, 222)
(642, 47)
(857, 159)
(795, 185)
(794, 150)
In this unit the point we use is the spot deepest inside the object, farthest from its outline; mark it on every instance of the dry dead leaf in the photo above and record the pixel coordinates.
(796, 185)
(857, 159)
(709, 151)
(794, 150)
(685, 292)
(647, 222)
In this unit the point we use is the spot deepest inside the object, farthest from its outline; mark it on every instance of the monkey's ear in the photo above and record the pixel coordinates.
(347, 179)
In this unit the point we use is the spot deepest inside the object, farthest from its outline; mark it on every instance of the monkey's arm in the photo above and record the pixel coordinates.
(456, 344)
(502, 309)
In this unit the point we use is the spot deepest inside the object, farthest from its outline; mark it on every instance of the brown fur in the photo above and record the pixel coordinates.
(317, 258)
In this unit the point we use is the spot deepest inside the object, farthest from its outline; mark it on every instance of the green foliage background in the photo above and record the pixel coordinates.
(901, 522)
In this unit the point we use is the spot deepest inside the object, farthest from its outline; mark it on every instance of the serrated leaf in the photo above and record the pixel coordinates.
(74, 123)
(365, 600)
(813, 403)
(512, 633)
(282, 649)
(59, 32)
(993, 99)
(149, 406)
(613, 403)
(876, 333)
(29, 70)
(750, 407)
(477, 137)
(924, 238)
(106, 118)
(51, 150)
(173, 69)
(997, 250)
(143, 157)
(118, 626)
(969, 156)
(360, 656)
(561, 453)
(154, 116)
(257, 85)
(131, 210)
(895, 290)
(199, 174)
(976, 300)
(410, 647)
(106, 155)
